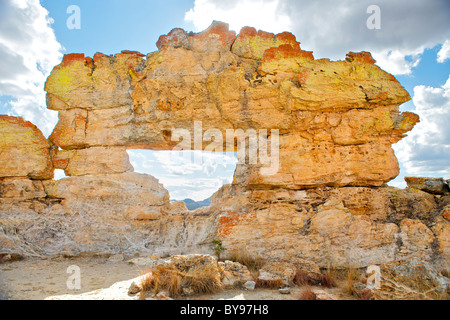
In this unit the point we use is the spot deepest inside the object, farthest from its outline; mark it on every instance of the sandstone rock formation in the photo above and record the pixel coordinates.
(328, 202)
(341, 114)
(339, 227)
(431, 185)
(24, 151)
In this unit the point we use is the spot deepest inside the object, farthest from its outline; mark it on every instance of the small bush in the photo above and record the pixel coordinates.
(196, 281)
(327, 281)
(302, 278)
(252, 262)
(204, 281)
(269, 284)
(218, 249)
(365, 294)
(307, 294)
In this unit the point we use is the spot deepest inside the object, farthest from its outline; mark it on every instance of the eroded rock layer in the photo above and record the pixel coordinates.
(24, 151)
(340, 227)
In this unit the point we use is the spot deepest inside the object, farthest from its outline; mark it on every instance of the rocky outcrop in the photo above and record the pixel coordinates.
(339, 227)
(24, 151)
(126, 212)
(410, 279)
(93, 161)
(431, 185)
(344, 113)
(327, 203)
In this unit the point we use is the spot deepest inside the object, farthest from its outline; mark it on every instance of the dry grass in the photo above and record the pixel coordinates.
(196, 281)
(252, 262)
(365, 294)
(269, 284)
(327, 281)
(302, 278)
(167, 278)
(353, 276)
(147, 282)
(203, 282)
(307, 294)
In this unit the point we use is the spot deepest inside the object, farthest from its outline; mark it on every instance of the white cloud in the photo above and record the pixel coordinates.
(194, 188)
(28, 52)
(398, 62)
(189, 162)
(187, 174)
(331, 29)
(444, 54)
(178, 163)
(426, 150)
(256, 13)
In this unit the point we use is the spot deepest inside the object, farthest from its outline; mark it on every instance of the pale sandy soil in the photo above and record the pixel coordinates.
(37, 279)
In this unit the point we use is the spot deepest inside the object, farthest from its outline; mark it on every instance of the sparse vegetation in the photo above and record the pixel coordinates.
(269, 284)
(218, 249)
(204, 282)
(302, 278)
(353, 276)
(192, 282)
(167, 278)
(327, 281)
(253, 262)
(307, 294)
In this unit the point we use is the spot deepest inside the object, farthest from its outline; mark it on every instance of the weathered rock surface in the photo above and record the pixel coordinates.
(127, 212)
(409, 280)
(431, 185)
(334, 227)
(327, 204)
(93, 161)
(24, 151)
(235, 275)
(344, 113)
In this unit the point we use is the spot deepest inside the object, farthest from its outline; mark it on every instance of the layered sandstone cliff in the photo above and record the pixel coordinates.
(327, 202)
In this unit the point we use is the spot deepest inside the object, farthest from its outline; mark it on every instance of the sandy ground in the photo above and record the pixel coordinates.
(37, 279)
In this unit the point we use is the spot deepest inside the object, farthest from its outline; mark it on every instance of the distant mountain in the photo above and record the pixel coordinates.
(192, 205)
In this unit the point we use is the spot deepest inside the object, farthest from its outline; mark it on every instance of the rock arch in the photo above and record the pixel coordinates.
(327, 203)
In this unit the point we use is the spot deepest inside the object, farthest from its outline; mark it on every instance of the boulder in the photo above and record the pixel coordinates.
(24, 151)
(93, 161)
(279, 272)
(410, 279)
(430, 185)
(234, 274)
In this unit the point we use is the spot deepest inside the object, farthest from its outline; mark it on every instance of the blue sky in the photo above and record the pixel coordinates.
(413, 44)
(110, 26)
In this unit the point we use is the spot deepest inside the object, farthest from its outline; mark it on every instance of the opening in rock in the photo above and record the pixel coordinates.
(189, 176)
(59, 174)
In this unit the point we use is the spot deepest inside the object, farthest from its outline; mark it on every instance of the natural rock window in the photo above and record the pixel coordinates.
(187, 175)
